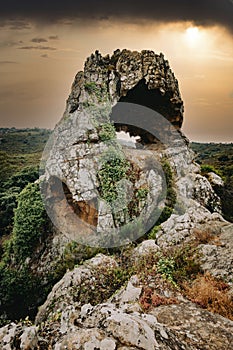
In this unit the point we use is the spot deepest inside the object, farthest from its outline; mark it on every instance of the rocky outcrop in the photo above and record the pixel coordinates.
(178, 228)
(143, 77)
(98, 191)
(117, 324)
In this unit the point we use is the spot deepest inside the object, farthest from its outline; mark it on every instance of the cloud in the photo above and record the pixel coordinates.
(8, 62)
(10, 43)
(53, 37)
(201, 12)
(14, 24)
(39, 40)
(39, 47)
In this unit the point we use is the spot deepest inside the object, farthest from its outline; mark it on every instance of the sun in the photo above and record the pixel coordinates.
(192, 36)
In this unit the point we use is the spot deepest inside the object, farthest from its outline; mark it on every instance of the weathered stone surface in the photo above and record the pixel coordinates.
(107, 326)
(217, 256)
(215, 180)
(67, 290)
(178, 228)
(196, 328)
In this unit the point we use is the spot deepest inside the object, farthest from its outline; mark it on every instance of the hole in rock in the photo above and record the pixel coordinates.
(126, 140)
(139, 114)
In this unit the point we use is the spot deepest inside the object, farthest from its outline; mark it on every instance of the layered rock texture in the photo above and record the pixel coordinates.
(143, 199)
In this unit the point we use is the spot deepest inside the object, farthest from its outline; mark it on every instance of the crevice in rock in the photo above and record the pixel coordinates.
(87, 211)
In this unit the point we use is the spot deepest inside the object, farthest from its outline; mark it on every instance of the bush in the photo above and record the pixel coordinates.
(107, 132)
(206, 168)
(150, 299)
(114, 168)
(91, 87)
(8, 197)
(30, 222)
(19, 293)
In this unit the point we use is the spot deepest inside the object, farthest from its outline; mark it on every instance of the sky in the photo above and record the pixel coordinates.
(44, 44)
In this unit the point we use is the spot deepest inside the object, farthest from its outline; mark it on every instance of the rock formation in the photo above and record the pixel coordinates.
(136, 93)
(102, 192)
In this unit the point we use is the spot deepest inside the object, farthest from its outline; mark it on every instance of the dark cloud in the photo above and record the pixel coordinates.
(39, 47)
(14, 24)
(8, 62)
(39, 40)
(202, 12)
(53, 37)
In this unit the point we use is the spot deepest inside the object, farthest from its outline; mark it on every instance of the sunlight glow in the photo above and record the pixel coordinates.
(192, 36)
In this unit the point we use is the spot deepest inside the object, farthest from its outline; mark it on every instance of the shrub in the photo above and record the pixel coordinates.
(107, 132)
(30, 222)
(19, 293)
(104, 283)
(153, 232)
(91, 87)
(73, 254)
(114, 168)
(206, 168)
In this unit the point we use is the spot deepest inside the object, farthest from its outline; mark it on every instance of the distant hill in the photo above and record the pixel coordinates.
(220, 155)
(23, 140)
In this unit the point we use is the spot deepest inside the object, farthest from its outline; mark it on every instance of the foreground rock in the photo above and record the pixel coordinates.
(111, 327)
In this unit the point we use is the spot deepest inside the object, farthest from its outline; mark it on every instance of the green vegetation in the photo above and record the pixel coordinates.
(9, 194)
(74, 254)
(23, 141)
(20, 291)
(105, 282)
(107, 132)
(98, 91)
(30, 222)
(114, 168)
(20, 153)
(19, 288)
(206, 168)
(91, 87)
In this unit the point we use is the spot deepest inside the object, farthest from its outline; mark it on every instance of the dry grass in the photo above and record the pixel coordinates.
(206, 236)
(150, 298)
(211, 294)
